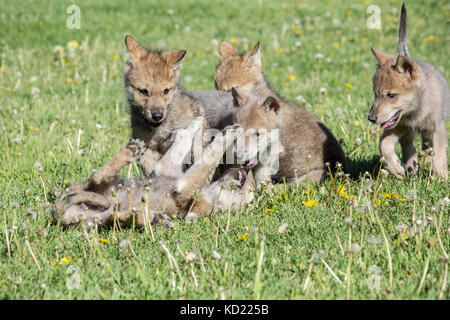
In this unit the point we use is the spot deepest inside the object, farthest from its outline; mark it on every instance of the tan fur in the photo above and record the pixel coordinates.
(105, 197)
(152, 86)
(410, 96)
(244, 72)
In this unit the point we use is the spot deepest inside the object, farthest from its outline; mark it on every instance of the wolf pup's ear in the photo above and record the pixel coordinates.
(174, 58)
(253, 57)
(226, 50)
(380, 56)
(271, 104)
(238, 98)
(134, 50)
(406, 65)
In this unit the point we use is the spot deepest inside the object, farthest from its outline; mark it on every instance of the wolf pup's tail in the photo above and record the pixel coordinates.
(402, 39)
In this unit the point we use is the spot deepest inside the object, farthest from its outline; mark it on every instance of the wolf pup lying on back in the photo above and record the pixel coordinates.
(158, 104)
(105, 196)
(305, 143)
(410, 96)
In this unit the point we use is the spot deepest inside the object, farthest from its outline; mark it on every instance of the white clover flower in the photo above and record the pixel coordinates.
(170, 12)
(358, 141)
(187, 78)
(338, 111)
(348, 220)
(365, 65)
(33, 79)
(187, 29)
(18, 74)
(298, 43)
(355, 248)
(15, 205)
(323, 90)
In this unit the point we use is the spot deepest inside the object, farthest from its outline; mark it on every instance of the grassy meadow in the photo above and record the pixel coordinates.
(63, 114)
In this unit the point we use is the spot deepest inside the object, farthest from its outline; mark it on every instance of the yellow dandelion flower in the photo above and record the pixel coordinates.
(114, 57)
(356, 123)
(377, 202)
(281, 50)
(101, 240)
(243, 237)
(72, 44)
(233, 40)
(429, 38)
(66, 260)
(310, 203)
(291, 77)
(348, 85)
(199, 55)
(206, 219)
(308, 191)
(336, 45)
(2, 68)
(318, 46)
(270, 210)
(402, 238)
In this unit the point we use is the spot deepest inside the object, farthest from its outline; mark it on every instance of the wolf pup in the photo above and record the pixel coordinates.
(105, 196)
(158, 104)
(307, 143)
(410, 96)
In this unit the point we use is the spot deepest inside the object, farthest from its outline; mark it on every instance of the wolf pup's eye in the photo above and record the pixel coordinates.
(391, 95)
(143, 92)
(166, 91)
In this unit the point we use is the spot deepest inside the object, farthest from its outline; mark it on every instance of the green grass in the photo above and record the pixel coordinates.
(81, 106)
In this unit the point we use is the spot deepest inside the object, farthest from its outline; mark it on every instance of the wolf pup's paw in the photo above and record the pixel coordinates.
(137, 148)
(412, 166)
(161, 219)
(234, 130)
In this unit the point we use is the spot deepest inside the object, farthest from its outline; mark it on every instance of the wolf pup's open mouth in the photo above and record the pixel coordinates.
(392, 121)
(250, 163)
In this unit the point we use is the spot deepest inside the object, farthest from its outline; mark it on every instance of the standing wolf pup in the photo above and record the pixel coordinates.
(306, 143)
(158, 104)
(410, 96)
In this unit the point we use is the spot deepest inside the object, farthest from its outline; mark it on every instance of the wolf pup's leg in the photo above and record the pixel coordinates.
(131, 151)
(198, 174)
(171, 164)
(388, 141)
(409, 153)
(439, 144)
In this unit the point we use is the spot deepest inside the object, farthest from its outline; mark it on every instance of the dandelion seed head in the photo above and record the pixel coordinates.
(215, 255)
(38, 166)
(191, 217)
(124, 245)
(190, 256)
(282, 228)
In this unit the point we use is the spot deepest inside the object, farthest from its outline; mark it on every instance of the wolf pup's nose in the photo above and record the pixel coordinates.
(372, 118)
(157, 116)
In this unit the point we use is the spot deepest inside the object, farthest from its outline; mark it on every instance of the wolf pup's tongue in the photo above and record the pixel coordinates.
(391, 121)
